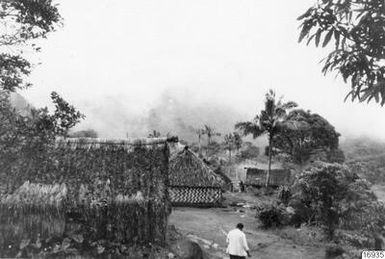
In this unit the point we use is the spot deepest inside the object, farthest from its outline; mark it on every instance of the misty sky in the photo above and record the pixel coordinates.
(119, 58)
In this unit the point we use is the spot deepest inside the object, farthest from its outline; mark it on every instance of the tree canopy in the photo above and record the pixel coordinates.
(29, 135)
(22, 22)
(358, 55)
(334, 196)
(303, 134)
(232, 141)
(210, 132)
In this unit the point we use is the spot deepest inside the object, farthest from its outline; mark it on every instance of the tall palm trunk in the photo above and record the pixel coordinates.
(270, 155)
(199, 144)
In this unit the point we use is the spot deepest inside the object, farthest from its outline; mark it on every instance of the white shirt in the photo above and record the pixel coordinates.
(237, 243)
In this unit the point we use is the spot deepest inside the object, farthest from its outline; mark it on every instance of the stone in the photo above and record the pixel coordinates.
(187, 249)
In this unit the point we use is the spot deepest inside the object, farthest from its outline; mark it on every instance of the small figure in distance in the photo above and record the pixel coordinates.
(237, 244)
(242, 186)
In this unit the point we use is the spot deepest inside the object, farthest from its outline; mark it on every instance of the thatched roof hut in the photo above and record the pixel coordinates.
(119, 187)
(187, 169)
(192, 182)
(257, 177)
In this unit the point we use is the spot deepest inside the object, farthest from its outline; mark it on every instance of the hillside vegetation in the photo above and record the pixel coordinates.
(366, 157)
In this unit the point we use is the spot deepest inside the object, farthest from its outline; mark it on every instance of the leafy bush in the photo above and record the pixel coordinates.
(284, 194)
(249, 152)
(333, 196)
(273, 216)
(22, 136)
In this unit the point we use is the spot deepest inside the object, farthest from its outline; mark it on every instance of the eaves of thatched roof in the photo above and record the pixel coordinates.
(187, 169)
(37, 194)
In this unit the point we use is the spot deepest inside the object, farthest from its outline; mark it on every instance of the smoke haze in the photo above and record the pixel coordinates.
(135, 66)
(174, 112)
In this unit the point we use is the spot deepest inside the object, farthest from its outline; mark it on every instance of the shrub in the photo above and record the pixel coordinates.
(273, 216)
(302, 213)
(284, 194)
(322, 188)
(333, 196)
(249, 152)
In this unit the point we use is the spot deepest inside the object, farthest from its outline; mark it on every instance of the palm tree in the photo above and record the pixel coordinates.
(267, 122)
(229, 143)
(154, 134)
(210, 132)
(199, 133)
(237, 140)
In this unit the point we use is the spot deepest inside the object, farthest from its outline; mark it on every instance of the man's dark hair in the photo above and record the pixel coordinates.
(240, 226)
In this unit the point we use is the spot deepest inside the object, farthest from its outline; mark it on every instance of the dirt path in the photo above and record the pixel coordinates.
(208, 228)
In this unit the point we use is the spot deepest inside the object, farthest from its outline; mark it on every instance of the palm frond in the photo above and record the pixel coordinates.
(250, 128)
(289, 105)
(269, 106)
(279, 113)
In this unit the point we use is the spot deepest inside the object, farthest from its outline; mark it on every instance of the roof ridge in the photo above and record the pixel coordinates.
(105, 141)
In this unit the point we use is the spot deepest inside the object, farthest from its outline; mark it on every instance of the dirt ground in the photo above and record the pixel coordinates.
(209, 226)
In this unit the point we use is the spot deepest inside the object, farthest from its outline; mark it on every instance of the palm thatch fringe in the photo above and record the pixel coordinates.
(187, 169)
(37, 194)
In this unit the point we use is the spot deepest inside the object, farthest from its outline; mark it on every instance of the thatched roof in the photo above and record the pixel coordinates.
(187, 169)
(97, 143)
(129, 165)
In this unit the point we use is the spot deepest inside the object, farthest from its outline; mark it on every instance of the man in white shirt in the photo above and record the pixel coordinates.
(237, 245)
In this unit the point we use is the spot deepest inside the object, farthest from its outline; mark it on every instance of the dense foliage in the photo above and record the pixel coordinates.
(366, 157)
(232, 141)
(273, 216)
(333, 196)
(357, 27)
(249, 151)
(304, 134)
(30, 135)
(372, 169)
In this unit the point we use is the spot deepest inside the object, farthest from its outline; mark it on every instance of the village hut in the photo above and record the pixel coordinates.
(257, 177)
(192, 182)
(99, 189)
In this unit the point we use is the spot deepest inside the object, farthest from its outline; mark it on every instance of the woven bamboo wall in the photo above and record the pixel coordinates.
(195, 196)
(257, 177)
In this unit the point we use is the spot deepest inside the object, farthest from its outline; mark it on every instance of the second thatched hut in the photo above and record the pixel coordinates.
(257, 177)
(192, 182)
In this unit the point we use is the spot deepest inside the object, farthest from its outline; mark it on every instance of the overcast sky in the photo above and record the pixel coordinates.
(221, 51)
